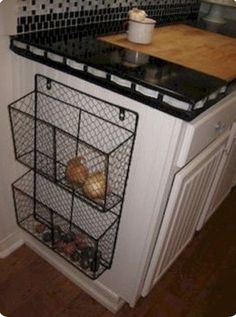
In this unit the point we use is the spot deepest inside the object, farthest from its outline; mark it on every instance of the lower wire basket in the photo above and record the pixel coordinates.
(73, 229)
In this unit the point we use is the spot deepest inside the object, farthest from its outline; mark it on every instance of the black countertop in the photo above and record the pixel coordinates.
(171, 88)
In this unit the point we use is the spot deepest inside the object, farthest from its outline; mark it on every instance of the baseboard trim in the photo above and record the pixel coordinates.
(95, 289)
(8, 245)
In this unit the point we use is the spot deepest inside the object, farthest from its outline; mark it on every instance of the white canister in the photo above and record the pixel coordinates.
(141, 31)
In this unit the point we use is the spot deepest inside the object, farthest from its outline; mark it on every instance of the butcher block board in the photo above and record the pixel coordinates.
(201, 50)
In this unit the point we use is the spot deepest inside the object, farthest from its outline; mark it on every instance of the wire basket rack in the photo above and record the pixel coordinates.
(78, 149)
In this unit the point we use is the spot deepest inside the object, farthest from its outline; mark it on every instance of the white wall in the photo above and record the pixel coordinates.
(8, 166)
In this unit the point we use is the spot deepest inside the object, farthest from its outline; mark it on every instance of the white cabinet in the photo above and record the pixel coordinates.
(206, 152)
(167, 191)
(227, 180)
(155, 148)
(188, 196)
(224, 181)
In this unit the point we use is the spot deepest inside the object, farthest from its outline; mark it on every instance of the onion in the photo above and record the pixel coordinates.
(69, 248)
(40, 228)
(60, 245)
(81, 240)
(137, 15)
(76, 173)
(95, 186)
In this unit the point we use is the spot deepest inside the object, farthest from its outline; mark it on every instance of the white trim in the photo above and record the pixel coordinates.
(176, 103)
(159, 204)
(95, 289)
(36, 50)
(20, 45)
(121, 81)
(147, 91)
(75, 65)
(55, 57)
(185, 148)
(96, 72)
(9, 244)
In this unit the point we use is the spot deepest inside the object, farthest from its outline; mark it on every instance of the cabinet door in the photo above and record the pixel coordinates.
(227, 178)
(187, 198)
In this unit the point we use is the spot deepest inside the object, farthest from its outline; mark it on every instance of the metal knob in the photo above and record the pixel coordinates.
(220, 127)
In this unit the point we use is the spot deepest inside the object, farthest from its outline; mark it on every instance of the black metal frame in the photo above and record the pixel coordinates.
(49, 128)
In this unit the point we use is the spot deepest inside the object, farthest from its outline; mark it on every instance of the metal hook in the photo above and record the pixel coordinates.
(49, 84)
(122, 114)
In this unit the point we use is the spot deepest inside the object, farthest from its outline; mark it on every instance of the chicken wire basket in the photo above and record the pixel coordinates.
(73, 229)
(78, 149)
(55, 124)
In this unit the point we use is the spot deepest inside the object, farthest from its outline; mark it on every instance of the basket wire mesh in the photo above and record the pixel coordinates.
(78, 149)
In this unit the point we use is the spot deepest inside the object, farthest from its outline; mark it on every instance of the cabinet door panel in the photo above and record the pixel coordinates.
(189, 193)
(227, 177)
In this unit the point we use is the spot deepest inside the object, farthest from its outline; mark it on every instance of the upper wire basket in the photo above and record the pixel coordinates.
(55, 124)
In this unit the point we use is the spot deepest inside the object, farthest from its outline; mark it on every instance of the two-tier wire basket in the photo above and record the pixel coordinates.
(78, 149)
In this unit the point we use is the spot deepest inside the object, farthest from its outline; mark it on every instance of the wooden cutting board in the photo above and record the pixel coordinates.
(204, 51)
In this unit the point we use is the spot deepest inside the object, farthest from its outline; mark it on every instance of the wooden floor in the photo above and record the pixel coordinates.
(201, 283)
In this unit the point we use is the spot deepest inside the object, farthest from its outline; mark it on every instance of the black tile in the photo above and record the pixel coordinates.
(162, 11)
(19, 29)
(26, 28)
(22, 20)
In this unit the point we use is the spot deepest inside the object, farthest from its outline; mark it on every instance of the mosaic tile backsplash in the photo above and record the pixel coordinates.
(36, 15)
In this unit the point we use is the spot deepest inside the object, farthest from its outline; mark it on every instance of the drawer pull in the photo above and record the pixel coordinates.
(220, 127)
(223, 126)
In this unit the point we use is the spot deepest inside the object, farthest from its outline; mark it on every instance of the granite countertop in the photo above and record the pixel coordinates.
(162, 85)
